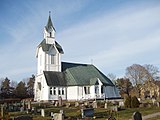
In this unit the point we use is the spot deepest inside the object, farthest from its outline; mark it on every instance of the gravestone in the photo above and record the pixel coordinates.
(105, 105)
(56, 104)
(94, 104)
(76, 104)
(68, 105)
(114, 108)
(60, 101)
(29, 105)
(58, 116)
(157, 104)
(23, 104)
(137, 116)
(23, 117)
(86, 103)
(21, 109)
(87, 112)
(2, 111)
(42, 112)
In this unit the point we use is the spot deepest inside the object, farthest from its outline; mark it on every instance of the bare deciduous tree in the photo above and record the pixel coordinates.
(112, 77)
(137, 74)
(152, 71)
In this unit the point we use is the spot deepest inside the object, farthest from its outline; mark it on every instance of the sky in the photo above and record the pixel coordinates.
(111, 34)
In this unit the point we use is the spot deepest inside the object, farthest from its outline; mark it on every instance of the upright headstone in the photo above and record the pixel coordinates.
(58, 116)
(23, 104)
(2, 112)
(76, 104)
(60, 100)
(68, 105)
(56, 104)
(42, 112)
(86, 103)
(137, 116)
(105, 105)
(21, 109)
(94, 104)
(157, 104)
(29, 105)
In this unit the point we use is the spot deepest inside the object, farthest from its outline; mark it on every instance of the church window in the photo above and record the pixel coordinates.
(52, 59)
(54, 90)
(51, 91)
(97, 89)
(59, 91)
(50, 34)
(39, 85)
(87, 90)
(102, 89)
(62, 91)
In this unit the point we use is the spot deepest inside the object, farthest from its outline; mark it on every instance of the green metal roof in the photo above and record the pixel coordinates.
(83, 74)
(74, 74)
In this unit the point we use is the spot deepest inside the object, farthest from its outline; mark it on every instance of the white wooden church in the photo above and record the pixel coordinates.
(71, 81)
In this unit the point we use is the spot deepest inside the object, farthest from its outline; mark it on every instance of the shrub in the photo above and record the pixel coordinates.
(131, 102)
(127, 102)
(134, 102)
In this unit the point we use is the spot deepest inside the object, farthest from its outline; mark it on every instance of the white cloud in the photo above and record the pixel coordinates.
(115, 40)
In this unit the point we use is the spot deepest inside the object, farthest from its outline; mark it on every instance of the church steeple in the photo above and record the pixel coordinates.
(49, 31)
(49, 27)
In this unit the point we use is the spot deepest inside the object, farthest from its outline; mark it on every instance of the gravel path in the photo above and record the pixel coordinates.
(150, 116)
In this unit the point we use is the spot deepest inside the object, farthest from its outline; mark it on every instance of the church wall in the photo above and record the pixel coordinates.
(72, 93)
(56, 92)
(41, 61)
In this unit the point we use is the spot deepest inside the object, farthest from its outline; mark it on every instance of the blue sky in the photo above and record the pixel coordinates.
(111, 34)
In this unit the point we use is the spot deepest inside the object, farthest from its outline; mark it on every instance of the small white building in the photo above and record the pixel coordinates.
(71, 81)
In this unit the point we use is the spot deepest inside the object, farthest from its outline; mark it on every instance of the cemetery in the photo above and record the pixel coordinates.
(75, 110)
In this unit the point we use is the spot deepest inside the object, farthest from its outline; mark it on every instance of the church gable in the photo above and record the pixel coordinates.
(46, 47)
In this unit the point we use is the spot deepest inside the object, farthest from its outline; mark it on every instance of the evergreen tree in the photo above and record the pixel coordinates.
(30, 86)
(6, 90)
(21, 90)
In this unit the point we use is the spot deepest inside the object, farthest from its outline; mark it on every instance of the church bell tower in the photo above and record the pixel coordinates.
(49, 51)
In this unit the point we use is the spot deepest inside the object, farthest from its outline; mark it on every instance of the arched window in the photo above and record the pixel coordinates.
(50, 33)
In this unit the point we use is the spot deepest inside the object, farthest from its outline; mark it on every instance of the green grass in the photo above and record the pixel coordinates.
(100, 113)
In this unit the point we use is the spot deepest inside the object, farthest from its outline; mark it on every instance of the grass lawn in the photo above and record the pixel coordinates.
(100, 113)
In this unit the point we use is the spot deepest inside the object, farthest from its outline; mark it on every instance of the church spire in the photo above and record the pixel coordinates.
(49, 27)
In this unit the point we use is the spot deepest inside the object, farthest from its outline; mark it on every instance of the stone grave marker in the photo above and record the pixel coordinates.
(2, 111)
(56, 104)
(58, 116)
(42, 112)
(68, 105)
(76, 104)
(21, 109)
(87, 112)
(106, 105)
(60, 101)
(23, 117)
(137, 116)
(94, 104)
(29, 105)
(157, 104)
